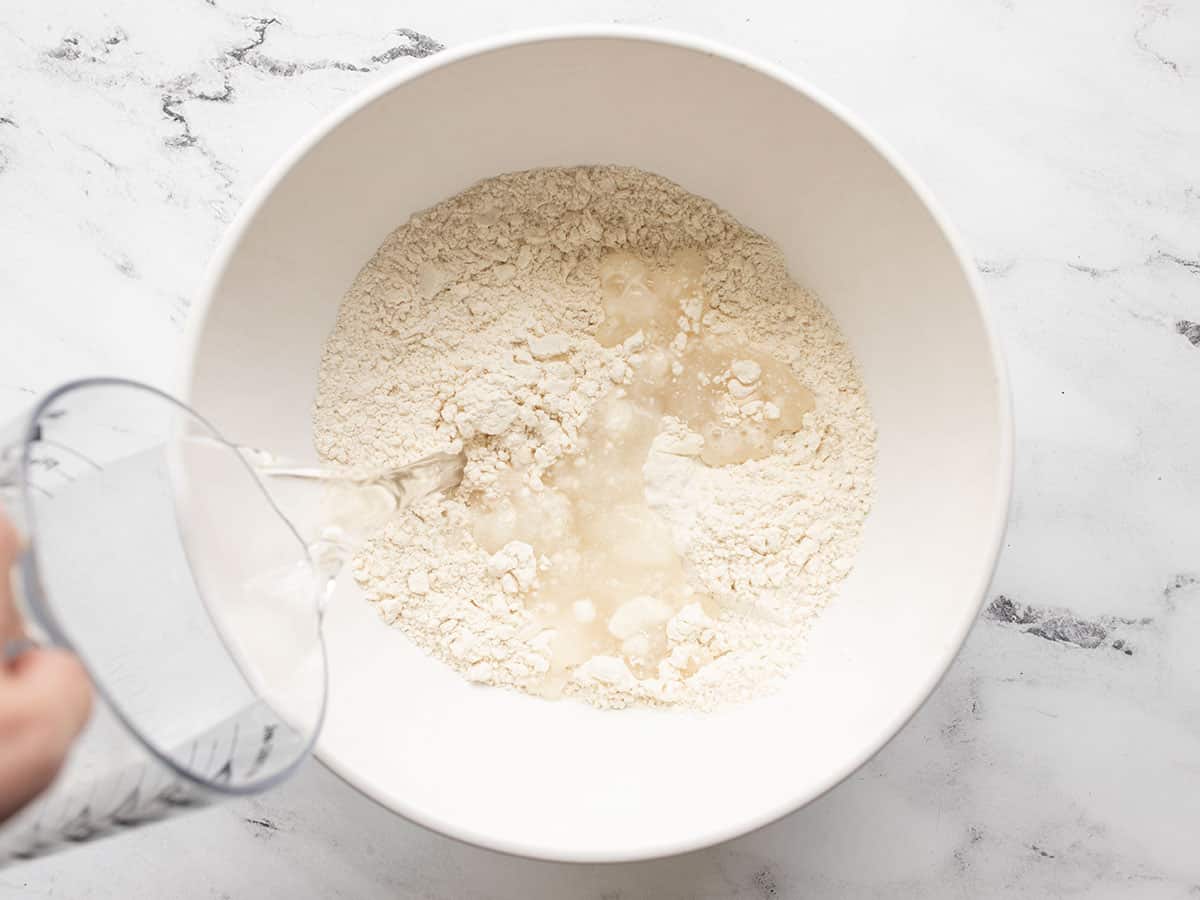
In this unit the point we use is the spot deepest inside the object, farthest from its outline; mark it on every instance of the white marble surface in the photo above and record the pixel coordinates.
(1063, 138)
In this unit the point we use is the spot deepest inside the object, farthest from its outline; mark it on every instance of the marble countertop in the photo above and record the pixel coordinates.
(1061, 755)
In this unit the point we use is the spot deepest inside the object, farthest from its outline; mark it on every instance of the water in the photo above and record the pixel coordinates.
(611, 578)
(336, 509)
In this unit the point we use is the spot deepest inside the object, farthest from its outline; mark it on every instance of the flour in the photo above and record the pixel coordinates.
(475, 327)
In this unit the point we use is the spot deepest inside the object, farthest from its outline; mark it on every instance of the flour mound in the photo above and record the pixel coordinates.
(473, 328)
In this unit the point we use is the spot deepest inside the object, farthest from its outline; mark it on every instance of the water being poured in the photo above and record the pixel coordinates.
(608, 579)
(336, 509)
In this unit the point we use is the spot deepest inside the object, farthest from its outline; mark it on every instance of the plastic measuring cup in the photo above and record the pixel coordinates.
(153, 552)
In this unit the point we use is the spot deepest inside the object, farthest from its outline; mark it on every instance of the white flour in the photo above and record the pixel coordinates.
(473, 327)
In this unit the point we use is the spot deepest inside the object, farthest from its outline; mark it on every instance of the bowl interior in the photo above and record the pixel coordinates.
(562, 780)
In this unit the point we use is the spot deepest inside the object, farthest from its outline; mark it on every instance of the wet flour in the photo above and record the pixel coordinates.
(475, 325)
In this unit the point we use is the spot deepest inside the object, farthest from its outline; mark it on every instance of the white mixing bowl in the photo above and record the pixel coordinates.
(562, 780)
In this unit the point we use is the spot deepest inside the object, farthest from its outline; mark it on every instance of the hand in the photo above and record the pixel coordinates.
(45, 699)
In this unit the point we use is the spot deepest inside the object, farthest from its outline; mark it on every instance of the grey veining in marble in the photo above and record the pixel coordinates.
(1061, 755)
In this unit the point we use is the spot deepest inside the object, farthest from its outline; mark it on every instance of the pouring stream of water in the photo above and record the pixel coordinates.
(335, 510)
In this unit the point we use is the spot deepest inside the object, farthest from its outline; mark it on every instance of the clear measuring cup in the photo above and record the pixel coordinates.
(153, 552)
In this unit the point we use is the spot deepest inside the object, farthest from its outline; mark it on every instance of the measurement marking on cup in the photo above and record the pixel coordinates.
(126, 812)
(30, 850)
(264, 750)
(225, 773)
(212, 755)
(81, 827)
(69, 816)
(72, 451)
(175, 792)
(113, 790)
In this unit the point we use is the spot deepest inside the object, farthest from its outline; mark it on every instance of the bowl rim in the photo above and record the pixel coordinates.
(787, 803)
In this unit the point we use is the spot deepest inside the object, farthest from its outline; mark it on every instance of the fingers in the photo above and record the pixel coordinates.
(43, 707)
(45, 699)
(56, 682)
(10, 541)
(25, 768)
(10, 550)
